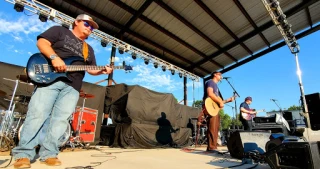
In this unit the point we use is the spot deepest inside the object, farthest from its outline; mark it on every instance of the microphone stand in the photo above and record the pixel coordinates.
(278, 106)
(235, 93)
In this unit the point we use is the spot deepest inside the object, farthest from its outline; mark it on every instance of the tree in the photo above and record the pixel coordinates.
(225, 120)
(294, 107)
(197, 104)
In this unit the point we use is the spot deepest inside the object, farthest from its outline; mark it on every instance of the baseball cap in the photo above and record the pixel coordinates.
(248, 98)
(88, 18)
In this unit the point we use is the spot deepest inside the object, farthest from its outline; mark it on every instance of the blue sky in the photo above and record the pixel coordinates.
(272, 76)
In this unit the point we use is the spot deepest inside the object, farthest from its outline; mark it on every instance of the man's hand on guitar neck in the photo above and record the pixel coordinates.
(59, 64)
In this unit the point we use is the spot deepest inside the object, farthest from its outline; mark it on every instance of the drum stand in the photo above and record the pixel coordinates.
(6, 140)
(77, 140)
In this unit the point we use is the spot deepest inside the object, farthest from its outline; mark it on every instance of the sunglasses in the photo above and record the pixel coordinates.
(86, 24)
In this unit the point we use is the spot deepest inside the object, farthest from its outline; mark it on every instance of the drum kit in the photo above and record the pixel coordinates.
(11, 122)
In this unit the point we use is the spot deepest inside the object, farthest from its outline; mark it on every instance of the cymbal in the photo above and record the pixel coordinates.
(23, 78)
(86, 95)
(2, 93)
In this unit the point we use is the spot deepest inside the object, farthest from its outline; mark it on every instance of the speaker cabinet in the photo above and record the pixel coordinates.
(313, 104)
(242, 142)
(294, 155)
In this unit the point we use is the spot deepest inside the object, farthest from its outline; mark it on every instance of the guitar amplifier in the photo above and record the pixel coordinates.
(88, 123)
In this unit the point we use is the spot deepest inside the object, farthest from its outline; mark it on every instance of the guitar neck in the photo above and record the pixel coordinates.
(74, 68)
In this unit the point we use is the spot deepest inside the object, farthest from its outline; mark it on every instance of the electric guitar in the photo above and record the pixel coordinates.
(212, 107)
(40, 70)
(248, 116)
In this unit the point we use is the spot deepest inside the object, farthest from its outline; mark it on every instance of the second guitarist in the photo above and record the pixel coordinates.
(245, 110)
(213, 122)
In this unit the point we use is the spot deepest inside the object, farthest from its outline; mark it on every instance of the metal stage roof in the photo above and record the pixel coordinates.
(200, 36)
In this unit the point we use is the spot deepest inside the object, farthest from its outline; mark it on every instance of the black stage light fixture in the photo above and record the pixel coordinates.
(121, 50)
(18, 7)
(281, 18)
(163, 68)
(65, 25)
(286, 27)
(172, 72)
(155, 64)
(103, 44)
(134, 56)
(180, 75)
(274, 5)
(146, 61)
(43, 17)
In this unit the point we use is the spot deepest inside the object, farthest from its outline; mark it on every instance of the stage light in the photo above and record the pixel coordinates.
(65, 25)
(180, 75)
(172, 72)
(146, 61)
(43, 17)
(134, 56)
(286, 27)
(18, 7)
(294, 44)
(274, 5)
(163, 68)
(103, 44)
(121, 50)
(281, 18)
(155, 64)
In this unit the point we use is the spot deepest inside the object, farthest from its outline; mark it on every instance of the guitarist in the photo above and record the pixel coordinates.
(244, 108)
(213, 122)
(53, 104)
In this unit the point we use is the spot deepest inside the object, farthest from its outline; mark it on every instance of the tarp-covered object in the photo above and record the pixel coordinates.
(148, 119)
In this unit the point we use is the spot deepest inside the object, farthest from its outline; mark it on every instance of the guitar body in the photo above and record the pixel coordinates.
(211, 107)
(40, 70)
(248, 116)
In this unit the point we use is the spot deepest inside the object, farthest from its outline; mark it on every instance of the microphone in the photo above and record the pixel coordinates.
(273, 99)
(226, 77)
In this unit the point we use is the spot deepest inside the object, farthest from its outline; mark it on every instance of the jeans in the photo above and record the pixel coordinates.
(55, 104)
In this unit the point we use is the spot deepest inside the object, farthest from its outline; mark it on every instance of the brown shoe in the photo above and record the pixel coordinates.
(52, 161)
(22, 163)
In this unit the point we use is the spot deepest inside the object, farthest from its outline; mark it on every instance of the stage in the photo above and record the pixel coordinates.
(105, 157)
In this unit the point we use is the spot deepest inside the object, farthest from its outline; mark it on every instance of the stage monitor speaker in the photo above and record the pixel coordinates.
(313, 104)
(294, 155)
(287, 115)
(242, 142)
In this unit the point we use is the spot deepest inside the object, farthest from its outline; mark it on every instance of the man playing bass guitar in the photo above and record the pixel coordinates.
(213, 120)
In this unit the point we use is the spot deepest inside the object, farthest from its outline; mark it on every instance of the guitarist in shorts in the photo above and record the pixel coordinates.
(246, 114)
(56, 102)
(213, 122)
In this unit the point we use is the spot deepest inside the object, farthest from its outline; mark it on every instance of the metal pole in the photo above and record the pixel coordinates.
(112, 58)
(185, 91)
(303, 98)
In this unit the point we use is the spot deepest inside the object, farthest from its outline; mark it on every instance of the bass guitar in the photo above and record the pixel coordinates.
(248, 116)
(40, 70)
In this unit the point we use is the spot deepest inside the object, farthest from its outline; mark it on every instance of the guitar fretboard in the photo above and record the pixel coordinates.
(72, 68)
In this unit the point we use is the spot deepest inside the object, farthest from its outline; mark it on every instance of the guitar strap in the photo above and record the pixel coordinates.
(85, 51)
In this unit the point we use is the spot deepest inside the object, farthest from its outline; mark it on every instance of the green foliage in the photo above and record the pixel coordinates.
(225, 120)
(294, 107)
(197, 104)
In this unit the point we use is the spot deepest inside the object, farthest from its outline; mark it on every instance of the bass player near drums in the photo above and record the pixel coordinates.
(55, 102)
(212, 93)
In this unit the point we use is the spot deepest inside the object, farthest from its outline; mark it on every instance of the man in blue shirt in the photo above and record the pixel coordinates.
(246, 114)
(213, 122)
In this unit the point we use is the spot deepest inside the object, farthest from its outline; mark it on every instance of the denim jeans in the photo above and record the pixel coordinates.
(54, 103)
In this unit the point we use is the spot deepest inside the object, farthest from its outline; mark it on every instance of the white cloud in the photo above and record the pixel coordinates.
(16, 51)
(24, 25)
(154, 79)
(29, 53)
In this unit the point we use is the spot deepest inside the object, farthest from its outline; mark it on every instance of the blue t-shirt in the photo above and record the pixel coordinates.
(245, 106)
(213, 85)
